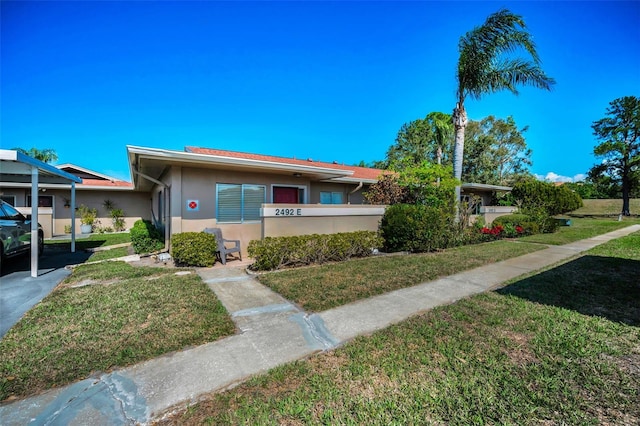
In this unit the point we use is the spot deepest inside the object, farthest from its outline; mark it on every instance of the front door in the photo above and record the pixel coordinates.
(285, 195)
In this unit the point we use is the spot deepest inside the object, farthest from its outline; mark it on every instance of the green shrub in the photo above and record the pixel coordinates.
(515, 219)
(532, 193)
(277, 252)
(416, 228)
(145, 238)
(194, 249)
(541, 221)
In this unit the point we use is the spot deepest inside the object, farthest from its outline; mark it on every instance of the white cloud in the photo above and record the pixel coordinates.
(554, 177)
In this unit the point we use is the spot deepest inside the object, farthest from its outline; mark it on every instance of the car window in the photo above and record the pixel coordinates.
(9, 213)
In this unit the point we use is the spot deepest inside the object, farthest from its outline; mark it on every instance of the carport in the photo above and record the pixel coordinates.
(16, 167)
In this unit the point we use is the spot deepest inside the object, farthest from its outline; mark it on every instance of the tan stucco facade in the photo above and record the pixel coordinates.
(199, 184)
(54, 219)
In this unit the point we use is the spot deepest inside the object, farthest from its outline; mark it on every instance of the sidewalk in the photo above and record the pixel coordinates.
(273, 331)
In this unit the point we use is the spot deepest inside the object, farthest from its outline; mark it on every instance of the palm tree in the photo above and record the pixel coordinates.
(485, 67)
(44, 155)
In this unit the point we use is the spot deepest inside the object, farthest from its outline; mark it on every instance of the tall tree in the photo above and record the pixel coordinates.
(424, 139)
(619, 134)
(497, 152)
(485, 67)
(44, 155)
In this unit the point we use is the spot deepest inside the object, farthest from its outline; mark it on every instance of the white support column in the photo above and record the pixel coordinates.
(73, 217)
(34, 222)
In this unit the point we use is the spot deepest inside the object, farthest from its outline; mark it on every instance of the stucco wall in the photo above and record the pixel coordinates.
(200, 185)
(136, 205)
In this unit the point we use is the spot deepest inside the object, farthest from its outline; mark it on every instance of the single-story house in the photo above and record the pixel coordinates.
(252, 196)
(483, 195)
(248, 196)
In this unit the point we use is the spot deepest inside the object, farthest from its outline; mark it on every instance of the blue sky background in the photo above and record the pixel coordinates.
(322, 80)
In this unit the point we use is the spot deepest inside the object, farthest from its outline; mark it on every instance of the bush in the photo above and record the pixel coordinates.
(416, 228)
(277, 252)
(540, 219)
(145, 238)
(512, 221)
(554, 199)
(194, 249)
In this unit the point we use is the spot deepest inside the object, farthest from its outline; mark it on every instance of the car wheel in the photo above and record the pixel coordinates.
(40, 244)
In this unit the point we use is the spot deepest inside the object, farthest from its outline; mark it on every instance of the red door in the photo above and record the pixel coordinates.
(285, 195)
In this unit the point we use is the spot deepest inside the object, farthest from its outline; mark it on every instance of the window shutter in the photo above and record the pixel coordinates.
(254, 196)
(229, 202)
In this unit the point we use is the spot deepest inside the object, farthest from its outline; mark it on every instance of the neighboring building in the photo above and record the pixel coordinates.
(483, 195)
(54, 200)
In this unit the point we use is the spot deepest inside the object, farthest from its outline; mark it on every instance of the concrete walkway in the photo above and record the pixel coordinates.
(273, 331)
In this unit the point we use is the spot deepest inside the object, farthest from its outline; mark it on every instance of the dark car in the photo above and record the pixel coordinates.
(15, 232)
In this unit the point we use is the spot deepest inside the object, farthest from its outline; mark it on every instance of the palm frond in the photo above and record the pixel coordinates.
(480, 72)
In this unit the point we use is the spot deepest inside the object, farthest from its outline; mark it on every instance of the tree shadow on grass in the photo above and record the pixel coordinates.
(608, 287)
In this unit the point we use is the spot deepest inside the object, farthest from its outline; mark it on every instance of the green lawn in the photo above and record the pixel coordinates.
(92, 241)
(323, 287)
(109, 254)
(607, 207)
(528, 354)
(580, 229)
(105, 316)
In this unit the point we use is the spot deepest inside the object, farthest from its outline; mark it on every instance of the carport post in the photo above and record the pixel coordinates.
(34, 221)
(73, 217)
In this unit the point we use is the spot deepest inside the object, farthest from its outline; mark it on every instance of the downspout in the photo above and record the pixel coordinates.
(357, 188)
(167, 223)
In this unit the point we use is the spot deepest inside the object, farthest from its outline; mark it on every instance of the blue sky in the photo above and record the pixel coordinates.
(322, 80)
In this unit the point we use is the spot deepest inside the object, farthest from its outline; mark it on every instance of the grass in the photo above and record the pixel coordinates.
(92, 241)
(580, 229)
(528, 354)
(606, 207)
(105, 316)
(109, 254)
(323, 287)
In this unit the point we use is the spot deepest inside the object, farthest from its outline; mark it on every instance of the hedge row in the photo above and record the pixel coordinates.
(278, 252)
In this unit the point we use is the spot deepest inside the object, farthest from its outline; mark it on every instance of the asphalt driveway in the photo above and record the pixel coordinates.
(19, 292)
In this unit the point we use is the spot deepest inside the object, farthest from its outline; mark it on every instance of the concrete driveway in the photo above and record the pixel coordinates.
(19, 292)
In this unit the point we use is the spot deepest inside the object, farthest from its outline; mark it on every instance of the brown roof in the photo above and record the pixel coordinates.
(104, 182)
(358, 172)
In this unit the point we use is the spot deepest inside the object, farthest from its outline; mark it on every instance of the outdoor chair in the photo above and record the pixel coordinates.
(223, 250)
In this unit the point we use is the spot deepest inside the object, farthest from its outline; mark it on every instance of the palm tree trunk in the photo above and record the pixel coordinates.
(459, 123)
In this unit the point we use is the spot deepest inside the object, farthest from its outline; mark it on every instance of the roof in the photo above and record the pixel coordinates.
(94, 179)
(359, 173)
(484, 187)
(149, 164)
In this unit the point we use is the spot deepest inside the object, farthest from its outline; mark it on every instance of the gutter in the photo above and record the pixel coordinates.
(356, 189)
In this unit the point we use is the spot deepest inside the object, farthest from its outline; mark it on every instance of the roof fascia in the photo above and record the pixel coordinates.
(160, 154)
(11, 155)
(88, 171)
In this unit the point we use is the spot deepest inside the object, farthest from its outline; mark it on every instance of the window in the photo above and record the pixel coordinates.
(9, 199)
(239, 203)
(43, 201)
(9, 213)
(327, 197)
